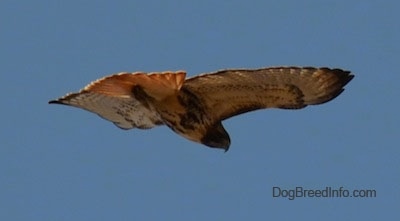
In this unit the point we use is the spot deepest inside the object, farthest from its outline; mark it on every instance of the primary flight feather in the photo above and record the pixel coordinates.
(195, 107)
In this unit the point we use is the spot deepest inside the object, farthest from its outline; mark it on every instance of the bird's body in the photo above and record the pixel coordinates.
(195, 107)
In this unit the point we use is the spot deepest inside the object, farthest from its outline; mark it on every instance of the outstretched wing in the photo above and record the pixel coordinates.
(117, 98)
(228, 93)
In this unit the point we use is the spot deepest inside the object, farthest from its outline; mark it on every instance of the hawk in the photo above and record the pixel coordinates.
(194, 107)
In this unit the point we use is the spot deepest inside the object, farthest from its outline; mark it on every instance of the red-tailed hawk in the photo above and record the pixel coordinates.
(195, 107)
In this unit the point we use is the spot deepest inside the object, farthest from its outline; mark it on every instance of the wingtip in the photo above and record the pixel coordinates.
(58, 101)
(344, 76)
(53, 102)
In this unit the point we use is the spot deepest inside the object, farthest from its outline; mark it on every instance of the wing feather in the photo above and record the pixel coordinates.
(228, 93)
(157, 85)
(124, 112)
(113, 97)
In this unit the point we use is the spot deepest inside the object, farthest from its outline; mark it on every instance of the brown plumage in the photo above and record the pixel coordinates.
(195, 107)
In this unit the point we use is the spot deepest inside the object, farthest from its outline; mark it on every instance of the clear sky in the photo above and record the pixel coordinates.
(62, 163)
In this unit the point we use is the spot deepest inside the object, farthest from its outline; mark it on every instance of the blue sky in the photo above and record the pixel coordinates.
(62, 163)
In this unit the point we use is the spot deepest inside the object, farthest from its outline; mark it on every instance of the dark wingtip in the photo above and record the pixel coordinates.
(58, 101)
(65, 99)
(343, 78)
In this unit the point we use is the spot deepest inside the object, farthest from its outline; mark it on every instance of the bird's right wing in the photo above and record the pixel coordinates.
(119, 98)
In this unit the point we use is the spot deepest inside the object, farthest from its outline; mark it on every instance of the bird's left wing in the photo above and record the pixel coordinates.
(228, 93)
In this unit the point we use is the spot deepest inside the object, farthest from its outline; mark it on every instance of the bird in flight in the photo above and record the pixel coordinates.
(195, 107)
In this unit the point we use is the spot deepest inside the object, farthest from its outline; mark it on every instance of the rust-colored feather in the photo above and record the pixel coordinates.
(156, 85)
